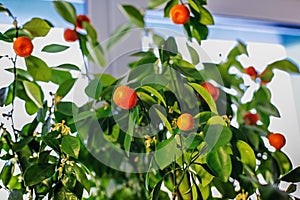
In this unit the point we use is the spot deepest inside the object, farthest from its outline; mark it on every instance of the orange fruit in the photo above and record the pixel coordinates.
(179, 14)
(185, 122)
(125, 97)
(80, 19)
(251, 72)
(23, 46)
(70, 35)
(250, 118)
(276, 140)
(214, 91)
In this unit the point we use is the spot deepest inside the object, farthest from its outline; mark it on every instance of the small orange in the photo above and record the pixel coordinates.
(276, 140)
(214, 91)
(185, 122)
(23, 46)
(125, 97)
(251, 71)
(250, 118)
(70, 35)
(180, 14)
(80, 19)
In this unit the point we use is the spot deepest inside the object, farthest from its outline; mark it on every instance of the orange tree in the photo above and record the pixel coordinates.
(163, 130)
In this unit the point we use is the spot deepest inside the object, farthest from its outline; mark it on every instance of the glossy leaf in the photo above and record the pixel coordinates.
(205, 17)
(66, 10)
(154, 92)
(247, 154)
(70, 145)
(194, 54)
(217, 136)
(168, 7)
(54, 48)
(68, 67)
(38, 69)
(206, 96)
(164, 120)
(134, 15)
(156, 190)
(96, 52)
(271, 192)
(37, 173)
(219, 161)
(5, 10)
(37, 27)
(292, 176)
(284, 65)
(66, 108)
(118, 34)
(34, 93)
(94, 89)
(166, 152)
(7, 172)
(65, 87)
(91, 32)
(283, 161)
(59, 76)
(81, 177)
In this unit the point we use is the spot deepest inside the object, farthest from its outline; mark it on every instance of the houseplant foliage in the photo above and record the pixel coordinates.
(166, 133)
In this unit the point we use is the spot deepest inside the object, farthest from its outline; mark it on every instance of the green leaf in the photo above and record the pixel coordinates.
(239, 49)
(186, 68)
(4, 9)
(81, 116)
(67, 108)
(156, 190)
(81, 177)
(70, 145)
(3, 95)
(134, 15)
(283, 162)
(217, 136)
(64, 194)
(272, 192)
(154, 92)
(33, 91)
(18, 146)
(118, 34)
(164, 120)
(35, 174)
(68, 67)
(38, 69)
(94, 89)
(65, 87)
(194, 54)
(95, 51)
(37, 27)
(247, 154)
(284, 65)
(106, 79)
(7, 172)
(31, 107)
(292, 176)
(168, 7)
(205, 17)
(15, 195)
(54, 48)
(91, 31)
(219, 161)
(166, 152)
(66, 10)
(155, 3)
(206, 96)
(59, 76)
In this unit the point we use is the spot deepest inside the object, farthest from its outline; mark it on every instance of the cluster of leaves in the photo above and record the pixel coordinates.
(58, 151)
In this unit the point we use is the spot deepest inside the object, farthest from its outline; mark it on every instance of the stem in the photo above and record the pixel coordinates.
(13, 98)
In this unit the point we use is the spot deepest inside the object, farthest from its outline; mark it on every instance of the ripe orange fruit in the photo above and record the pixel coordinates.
(185, 122)
(251, 72)
(23, 46)
(214, 92)
(180, 14)
(70, 35)
(276, 140)
(250, 118)
(80, 19)
(125, 97)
